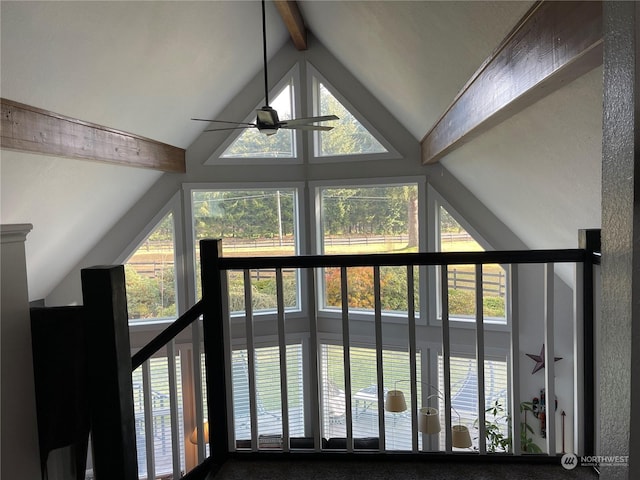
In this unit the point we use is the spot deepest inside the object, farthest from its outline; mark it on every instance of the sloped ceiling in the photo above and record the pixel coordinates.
(147, 67)
(413, 56)
(141, 67)
(540, 171)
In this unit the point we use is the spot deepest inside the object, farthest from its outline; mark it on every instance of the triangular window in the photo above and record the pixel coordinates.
(353, 135)
(349, 136)
(253, 144)
(150, 275)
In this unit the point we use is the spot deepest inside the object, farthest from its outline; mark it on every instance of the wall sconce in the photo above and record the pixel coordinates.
(193, 438)
(428, 417)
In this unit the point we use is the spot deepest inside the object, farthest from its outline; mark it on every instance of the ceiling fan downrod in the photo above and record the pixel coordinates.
(264, 55)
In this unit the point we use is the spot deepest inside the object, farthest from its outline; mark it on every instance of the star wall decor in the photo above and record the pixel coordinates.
(540, 360)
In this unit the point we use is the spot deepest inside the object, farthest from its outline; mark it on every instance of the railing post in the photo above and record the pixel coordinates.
(214, 337)
(109, 362)
(590, 241)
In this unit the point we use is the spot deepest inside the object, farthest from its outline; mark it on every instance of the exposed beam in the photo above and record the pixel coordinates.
(30, 129)
(290, 13)
(553, 44)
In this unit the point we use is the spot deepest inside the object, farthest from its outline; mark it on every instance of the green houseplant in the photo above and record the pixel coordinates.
(497, 441)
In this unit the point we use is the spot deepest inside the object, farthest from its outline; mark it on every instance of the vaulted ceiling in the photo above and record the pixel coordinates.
(148, 67)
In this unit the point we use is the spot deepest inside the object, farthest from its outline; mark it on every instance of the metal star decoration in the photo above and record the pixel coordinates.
(540, 360)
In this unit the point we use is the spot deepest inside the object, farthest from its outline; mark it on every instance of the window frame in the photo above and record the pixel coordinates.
(467, 352)
(435, 201)
(313, 77)
(292, 77)
(172, 207)
(299, 219)
(317, 247)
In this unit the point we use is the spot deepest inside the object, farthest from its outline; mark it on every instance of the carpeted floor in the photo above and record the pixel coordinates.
(236, 469)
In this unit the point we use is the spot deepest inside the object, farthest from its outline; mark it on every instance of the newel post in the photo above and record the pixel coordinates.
(109, 364)
(214, 345)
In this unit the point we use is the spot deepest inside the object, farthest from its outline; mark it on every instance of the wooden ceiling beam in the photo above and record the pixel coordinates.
(553, 44)
(290, 13)
(30, 129)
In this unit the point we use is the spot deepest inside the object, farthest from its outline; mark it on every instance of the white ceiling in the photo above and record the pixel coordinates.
(147, 67)
(413, 56)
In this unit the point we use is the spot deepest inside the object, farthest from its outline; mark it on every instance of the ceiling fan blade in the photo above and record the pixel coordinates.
(239, 127)
(307, 127)
(306, 121)
(223, 121)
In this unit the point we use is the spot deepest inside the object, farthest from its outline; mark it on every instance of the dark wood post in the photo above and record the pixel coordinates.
(213, 332)
(109, 365)
(589, 240)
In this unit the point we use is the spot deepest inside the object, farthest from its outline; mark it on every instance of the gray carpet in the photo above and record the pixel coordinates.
(235, 469)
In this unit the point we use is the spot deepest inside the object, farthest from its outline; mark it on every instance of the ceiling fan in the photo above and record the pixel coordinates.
(267, 120)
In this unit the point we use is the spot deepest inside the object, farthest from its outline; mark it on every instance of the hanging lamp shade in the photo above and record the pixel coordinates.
(395, 401)
(429, 420)
(460, 437)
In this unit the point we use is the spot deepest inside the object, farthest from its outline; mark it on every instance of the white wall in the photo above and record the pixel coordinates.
(20, 451)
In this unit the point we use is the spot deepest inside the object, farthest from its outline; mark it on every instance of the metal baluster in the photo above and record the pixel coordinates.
(482, 438)
(251, 360)
(411, 315)
(282, 344)
(173, 407)
(380, 381)
(346, 350)
(549, 377)
(446, 356)
(148, 419)
(514, 365)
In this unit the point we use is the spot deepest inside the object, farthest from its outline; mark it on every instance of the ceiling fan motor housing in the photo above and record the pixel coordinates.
(267, 120)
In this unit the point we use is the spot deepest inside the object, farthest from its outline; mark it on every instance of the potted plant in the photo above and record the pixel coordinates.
(495, 419)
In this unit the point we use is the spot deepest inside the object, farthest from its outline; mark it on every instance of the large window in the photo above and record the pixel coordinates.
(464, 400)
(268, 392)
(150, 275)
(364, 394)
(160, 405)
(251, 223)
(368, 219)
